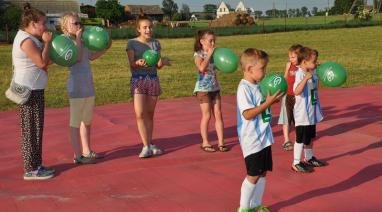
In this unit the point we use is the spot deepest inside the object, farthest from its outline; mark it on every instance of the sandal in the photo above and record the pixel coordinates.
(223, 148)
(208, 148)
(288, 146)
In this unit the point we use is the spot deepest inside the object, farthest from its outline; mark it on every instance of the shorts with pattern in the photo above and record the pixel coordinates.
(147, 84)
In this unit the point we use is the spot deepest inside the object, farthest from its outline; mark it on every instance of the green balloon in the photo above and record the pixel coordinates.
(332, 74)
(272, 83)
(95, 38)
(63, 51)
(225, 60)
(151, 57)
(54, 33)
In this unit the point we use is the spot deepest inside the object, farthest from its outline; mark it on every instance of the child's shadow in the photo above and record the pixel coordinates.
(169, 145)
(365, 175)
(375, 145)
(363, 114)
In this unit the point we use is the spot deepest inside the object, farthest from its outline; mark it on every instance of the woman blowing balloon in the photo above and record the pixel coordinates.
(30, 61)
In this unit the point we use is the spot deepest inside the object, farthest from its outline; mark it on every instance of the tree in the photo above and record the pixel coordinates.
(89, 10)
(345, 6)
(258, 13)
(185, 12)
(209, 8)
(314, 11)
(11, 17)
(269, 13)
(109, 10)
(169, 8)
(377, 5)
(298, 12)
(291, 12)
(304, 11)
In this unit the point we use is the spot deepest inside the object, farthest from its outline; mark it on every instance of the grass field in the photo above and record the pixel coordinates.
(358, 49)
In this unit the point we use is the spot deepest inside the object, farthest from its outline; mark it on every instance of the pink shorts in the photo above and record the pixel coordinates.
(145, 84)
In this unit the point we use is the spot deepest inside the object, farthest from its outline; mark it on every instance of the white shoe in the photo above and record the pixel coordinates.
(146, 152)
(155, 150)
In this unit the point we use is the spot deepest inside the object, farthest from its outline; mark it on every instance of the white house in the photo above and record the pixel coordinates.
(222, 10)
(240, 7)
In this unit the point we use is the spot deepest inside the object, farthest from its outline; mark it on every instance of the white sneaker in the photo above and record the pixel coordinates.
(146, 152)
(155, 150)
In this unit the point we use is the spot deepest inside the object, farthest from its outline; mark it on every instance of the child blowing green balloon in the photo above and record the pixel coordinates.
(81, 93)
(207, 89)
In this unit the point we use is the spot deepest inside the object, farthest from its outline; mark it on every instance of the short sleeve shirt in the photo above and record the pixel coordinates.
(255, 134)
(307, 109)
(139, 48)
(206, 81)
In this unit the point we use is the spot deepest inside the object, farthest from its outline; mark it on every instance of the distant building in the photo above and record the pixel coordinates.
(240, 7)
(222, 10)
(153, 11)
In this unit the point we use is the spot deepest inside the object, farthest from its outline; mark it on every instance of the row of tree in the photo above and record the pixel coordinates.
(114, 12)
(9, 15)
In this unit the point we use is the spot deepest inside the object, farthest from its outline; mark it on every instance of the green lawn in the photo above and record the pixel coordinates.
(358, 49)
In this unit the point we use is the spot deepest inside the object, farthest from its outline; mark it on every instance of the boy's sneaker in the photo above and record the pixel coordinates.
(301, 167)
(84, 160)
(315, 162)
(50, 170)
(262, 208)
(155, 150)
(246, 210)
(146, 152)
(40, 174)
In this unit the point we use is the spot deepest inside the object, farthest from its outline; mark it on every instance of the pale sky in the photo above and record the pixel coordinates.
(197, 5)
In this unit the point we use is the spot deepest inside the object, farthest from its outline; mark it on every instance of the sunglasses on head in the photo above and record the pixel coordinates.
(77, 23)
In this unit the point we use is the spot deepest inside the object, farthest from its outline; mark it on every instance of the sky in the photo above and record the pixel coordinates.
(197, 5)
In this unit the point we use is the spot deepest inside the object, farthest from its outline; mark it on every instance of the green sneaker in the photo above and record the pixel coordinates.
(262, 208)
(246, 210)
(94, 155)
(39, 175)
(84, 160)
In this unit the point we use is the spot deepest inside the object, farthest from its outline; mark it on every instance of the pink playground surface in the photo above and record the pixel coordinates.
(187, 179)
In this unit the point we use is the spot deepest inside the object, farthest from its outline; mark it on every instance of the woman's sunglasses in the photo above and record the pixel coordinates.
(77, 23)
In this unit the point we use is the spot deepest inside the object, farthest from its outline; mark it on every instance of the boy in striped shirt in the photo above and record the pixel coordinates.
(307, 111)
(254, 129)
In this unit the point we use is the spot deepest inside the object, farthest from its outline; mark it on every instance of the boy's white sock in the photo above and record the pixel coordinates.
(308, 154)
(247, 191)
(259, 191)
(297, 151)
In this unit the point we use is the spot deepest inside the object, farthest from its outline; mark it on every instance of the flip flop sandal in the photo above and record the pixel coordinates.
(288, 146)
(208, 148)
(223, 148)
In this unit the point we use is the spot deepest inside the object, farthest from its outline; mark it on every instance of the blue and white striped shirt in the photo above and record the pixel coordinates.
(255, 134)
(307, 109)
